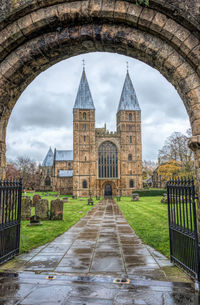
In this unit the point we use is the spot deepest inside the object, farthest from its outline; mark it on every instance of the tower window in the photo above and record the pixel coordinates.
(131, 183)
(84, 184)
(84, 116)
(130, 127)
(131, 140)
(130, 116)
(84, 138)
(84, 127)
(130, 157)
(85, 158)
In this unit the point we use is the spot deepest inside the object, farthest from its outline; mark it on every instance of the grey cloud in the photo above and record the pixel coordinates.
(44, 111)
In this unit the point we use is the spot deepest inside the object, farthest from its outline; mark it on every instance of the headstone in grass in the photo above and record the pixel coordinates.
(56, 209)
(164, 199)
(135, 197)
(36, 197)
(65, 199)
(34, 221)
(42, 208)
(26, 208)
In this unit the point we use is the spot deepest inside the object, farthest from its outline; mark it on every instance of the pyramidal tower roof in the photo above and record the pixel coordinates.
(84, 98)
(128, 100)
(48, 161)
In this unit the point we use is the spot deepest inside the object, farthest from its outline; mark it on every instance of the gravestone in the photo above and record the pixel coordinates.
(36, 197)
(34, 221)
(56, 210)
(65, 199)
(42, 208)
(135, 197)
(26, 208)
(164, 199)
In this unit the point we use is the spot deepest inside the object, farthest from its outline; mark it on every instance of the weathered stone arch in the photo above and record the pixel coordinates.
(35, 34)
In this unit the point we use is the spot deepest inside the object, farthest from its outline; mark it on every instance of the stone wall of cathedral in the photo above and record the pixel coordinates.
(87, 140)
(84, 175)
(46, 178)
(63, 185)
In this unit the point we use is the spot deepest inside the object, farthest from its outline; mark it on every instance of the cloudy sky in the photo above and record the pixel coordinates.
(42, 117)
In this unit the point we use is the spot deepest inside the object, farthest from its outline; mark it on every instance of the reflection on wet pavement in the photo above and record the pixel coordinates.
(86, 259)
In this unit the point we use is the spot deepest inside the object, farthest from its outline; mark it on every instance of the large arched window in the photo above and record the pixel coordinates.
(130, 117)
(108, 160)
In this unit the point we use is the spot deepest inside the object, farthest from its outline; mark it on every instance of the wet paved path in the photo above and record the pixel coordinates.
(86, 259)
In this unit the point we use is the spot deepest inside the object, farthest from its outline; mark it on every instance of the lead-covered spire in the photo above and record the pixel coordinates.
(48, 161)
(128, 100)
(84, 98)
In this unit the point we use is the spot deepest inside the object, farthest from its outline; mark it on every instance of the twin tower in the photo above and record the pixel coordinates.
(106, 163)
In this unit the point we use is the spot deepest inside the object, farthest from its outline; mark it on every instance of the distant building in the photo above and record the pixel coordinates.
(102, 162)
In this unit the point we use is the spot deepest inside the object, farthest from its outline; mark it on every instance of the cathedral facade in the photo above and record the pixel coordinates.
(102, 162)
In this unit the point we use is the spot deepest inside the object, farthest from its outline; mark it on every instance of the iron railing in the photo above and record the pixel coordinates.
(10, 215)
(184, 248)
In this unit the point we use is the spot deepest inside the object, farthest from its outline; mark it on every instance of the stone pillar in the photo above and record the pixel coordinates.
(2, 160)
(194, 145)
(3, 125)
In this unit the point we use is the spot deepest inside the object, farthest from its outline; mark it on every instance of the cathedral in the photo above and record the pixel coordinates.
(102, 163)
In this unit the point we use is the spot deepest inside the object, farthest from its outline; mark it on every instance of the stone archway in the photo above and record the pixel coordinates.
(108, 190)
(108, 187)
(36, 34)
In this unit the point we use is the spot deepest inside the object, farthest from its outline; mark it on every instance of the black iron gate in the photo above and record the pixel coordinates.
(184, 248)
(10, 214)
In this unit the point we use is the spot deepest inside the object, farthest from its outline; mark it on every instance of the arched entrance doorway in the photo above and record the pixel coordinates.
(108, 190)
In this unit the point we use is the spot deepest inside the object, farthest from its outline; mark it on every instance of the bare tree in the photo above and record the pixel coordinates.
(176, 148)
(25, 168)
(11, 171)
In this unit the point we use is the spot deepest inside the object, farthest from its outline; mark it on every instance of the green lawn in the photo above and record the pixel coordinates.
(32, 237)
(149, 218)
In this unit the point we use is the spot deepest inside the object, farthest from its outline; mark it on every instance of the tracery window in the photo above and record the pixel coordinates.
(108, 160)
(84, 184)
(84, 116)
(47, 181)
(130, 116)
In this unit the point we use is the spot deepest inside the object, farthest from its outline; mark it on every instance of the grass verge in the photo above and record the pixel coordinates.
(149, 219)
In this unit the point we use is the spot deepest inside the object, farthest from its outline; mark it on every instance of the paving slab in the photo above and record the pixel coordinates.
(87, 259)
